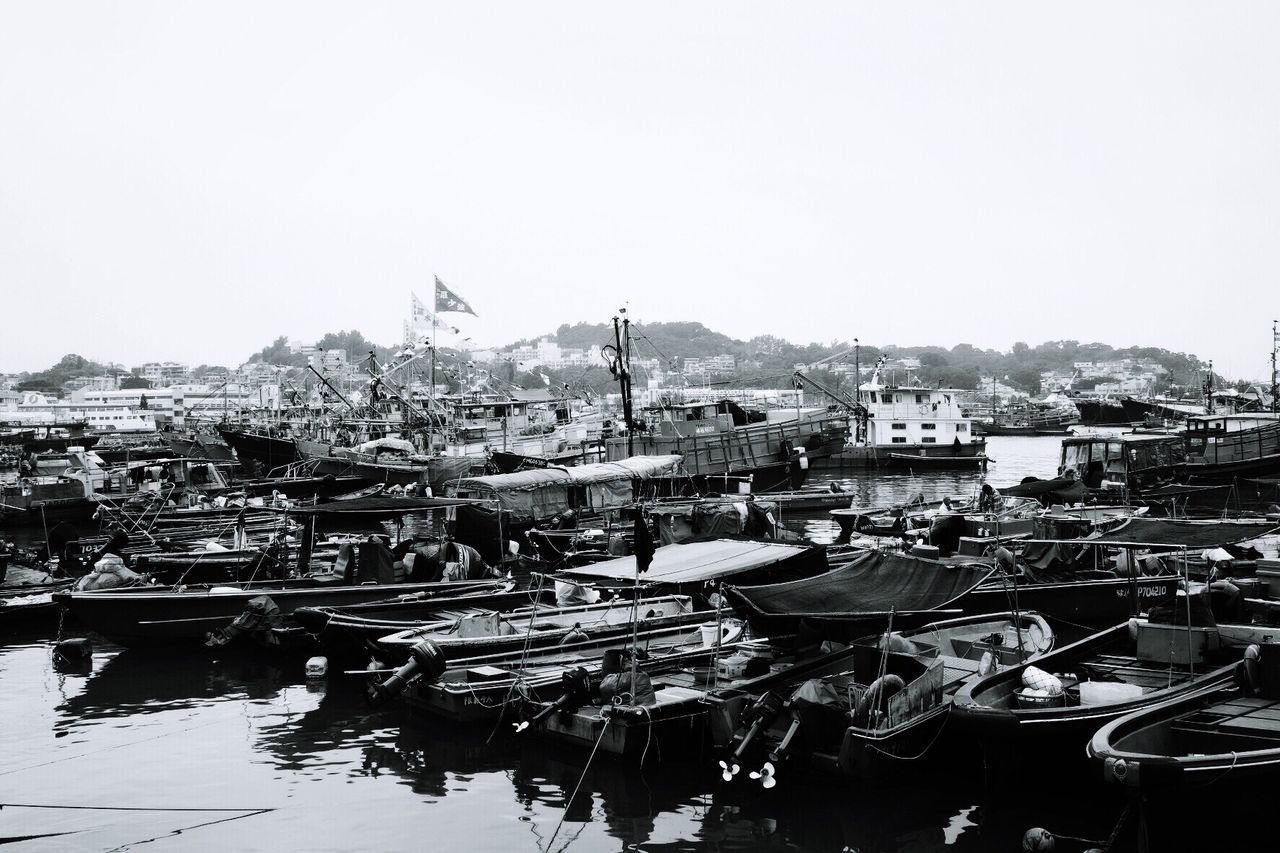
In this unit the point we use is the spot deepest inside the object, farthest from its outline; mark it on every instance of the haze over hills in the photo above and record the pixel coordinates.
(764, 359)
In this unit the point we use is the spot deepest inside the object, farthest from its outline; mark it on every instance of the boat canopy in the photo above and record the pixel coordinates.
(1195, 535)
(696, 562)
(396, 445)
(874, 583)
(543, 492)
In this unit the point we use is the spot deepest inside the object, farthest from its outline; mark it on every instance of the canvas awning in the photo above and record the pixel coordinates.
(695, 562)
(543, 492)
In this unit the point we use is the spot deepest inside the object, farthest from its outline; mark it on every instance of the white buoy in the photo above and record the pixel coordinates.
(317, 667)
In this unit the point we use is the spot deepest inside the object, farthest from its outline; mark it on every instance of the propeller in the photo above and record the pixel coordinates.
(767, 775)
(728, 771)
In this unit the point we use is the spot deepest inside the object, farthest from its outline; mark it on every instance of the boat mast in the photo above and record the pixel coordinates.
(1275, 388)
(857, 390)
(622, 348)
(1208, 390)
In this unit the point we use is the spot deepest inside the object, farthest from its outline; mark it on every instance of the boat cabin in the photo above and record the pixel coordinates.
(538, 494)
(1240, 444)
(913, 416)
(1125, 461)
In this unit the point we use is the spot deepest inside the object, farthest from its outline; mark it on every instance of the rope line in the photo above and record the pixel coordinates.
(576, 788)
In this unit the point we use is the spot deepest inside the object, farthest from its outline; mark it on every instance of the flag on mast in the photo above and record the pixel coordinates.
(420, 313)
(447, 300)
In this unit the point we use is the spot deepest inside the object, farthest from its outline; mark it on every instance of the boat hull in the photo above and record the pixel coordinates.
(267, 451)
(161, 617)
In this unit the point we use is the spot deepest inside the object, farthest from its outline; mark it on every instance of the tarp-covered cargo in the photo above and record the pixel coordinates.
(1154, 532)
(872, 584)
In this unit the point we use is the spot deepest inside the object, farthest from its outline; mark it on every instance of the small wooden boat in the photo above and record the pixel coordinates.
(879, 704)
(1227, 736)
(151, 616)
(938, 463)
(30, 605)
(346, 632)
(532, 627)
(1126, 668)
(564, 678)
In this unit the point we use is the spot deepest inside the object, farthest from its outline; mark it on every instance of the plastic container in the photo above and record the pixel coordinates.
(710, 631)
(1107, 692)
(317, 667)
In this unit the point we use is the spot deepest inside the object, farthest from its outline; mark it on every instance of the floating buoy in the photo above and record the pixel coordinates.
(77, 649)
(1037, 839)
(317, 667)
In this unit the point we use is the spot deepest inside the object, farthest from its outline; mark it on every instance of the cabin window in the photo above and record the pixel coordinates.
(919, 398)
(873, 396)
(962, 427)
(899, 439)
(928, 439)
(897, 398)
(899, 426)
(928, 426)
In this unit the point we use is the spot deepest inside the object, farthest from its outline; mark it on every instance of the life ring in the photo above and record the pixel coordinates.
(877, 694)
(1040, 634)
(1248, 676)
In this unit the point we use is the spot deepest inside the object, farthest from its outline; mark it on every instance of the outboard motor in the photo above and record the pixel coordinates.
(576, 684)
(426, 660)
(809, 695)
(756, 718)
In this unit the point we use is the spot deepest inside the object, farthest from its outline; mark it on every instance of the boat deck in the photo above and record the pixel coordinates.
(956, 671)
(1243, 716)
(1130, 670)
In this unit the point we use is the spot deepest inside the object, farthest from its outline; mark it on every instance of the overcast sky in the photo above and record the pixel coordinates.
(188, 181)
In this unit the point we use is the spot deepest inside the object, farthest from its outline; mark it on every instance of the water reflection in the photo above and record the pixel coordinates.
(134, 681)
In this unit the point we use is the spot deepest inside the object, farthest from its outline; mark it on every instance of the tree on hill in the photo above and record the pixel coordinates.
(128, 383)
(68, 367)
(277, 352)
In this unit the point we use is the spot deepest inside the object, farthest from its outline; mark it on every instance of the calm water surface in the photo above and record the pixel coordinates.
(162, 752)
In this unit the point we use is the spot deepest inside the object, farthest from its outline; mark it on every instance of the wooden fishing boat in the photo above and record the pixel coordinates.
(259, 445)
(1131, 666)
(664, 714)
(483, 688)
(28, 605)
(347, 632)
(934, 463)
(1227, 736)
(532, 627)
(878, 705)
(163, 616)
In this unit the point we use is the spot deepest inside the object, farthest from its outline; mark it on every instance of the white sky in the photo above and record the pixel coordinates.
(187, 181)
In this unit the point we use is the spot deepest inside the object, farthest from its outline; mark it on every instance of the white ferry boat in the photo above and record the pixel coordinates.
(910, 426)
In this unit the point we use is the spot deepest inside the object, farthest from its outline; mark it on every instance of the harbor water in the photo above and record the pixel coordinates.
(144, 750)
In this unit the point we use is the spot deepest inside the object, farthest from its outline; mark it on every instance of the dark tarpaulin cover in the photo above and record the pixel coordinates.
(1062, 489)
(874, 583)
(260, 617)
(479, 527)
(1190, 534)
